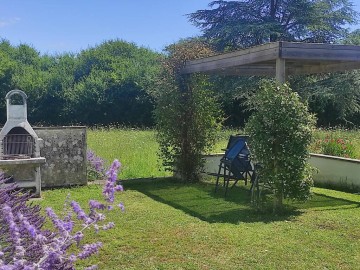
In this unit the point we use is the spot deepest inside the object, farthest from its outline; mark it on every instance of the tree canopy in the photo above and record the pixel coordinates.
(244, 23)
(111, 83)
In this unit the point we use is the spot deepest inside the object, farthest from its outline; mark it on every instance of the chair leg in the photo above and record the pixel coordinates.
(225, 172)
(253, 180)
(235, 182)
(227, 184)
(227, 180)
(246, 177)
(217, 178)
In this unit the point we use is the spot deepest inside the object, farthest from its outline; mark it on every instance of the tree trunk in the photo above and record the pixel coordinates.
(187, 168)
(273, 6)
(278, 194)
(278, 201)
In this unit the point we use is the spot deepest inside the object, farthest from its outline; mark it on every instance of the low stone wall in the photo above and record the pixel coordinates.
(65, 151)
(330, 171)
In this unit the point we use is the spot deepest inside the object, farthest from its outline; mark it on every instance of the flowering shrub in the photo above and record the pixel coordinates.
(25, 245)
(336, 147)
(95, 166)
(280, 132)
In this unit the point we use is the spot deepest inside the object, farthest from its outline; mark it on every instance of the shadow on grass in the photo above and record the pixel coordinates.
(200, 200)
(321, 202)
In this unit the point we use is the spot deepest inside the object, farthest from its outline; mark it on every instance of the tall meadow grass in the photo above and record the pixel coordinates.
(137, 148)
(350, 136)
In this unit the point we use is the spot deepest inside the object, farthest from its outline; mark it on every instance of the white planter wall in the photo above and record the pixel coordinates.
(334, 171)
(212, 162)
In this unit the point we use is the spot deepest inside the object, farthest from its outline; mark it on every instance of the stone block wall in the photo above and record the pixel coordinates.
(65, 151)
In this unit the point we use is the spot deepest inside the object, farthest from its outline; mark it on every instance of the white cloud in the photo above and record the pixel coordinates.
(7, 22)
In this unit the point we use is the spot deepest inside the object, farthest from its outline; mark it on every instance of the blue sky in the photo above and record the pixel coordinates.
(56, 26)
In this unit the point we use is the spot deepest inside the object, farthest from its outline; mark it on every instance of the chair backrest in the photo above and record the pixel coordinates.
(235, 149)
(237, 156)
(234, 138)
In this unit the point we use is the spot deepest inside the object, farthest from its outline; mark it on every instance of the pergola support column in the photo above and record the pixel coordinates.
(280, 70)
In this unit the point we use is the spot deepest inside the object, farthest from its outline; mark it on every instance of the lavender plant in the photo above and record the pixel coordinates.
(25, 245)
(95, 166)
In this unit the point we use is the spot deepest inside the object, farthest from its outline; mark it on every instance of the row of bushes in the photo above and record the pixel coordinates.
(110, 83)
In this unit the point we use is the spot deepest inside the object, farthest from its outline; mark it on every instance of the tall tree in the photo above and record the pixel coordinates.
(334, 97)
(353, 38)
(245, 23)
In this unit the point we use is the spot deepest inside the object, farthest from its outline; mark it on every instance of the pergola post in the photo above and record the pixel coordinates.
(280, 70)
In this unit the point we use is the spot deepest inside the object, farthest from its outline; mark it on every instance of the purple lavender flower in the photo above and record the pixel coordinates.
(109, 188)
(81, 215)
(95, 163)
(26, 224)
(108, 226)
(119, 188)
(121, 206)
(78, 237)
(62, 226)
(96, 205)
(19, 220)
(89, 249)
(14, 230)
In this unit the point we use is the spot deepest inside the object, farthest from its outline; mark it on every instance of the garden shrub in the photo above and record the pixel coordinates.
(280, 132)
(187, 113)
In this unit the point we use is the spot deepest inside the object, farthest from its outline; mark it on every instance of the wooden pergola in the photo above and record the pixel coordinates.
(279, 59)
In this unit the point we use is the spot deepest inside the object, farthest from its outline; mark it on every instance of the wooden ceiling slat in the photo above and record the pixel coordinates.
(320, 54)
(301, 45)
(226, 62)
(323, 68)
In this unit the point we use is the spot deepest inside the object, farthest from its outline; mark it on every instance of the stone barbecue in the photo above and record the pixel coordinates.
(19, 144)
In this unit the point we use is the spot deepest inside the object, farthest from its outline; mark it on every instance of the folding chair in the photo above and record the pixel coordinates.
(236, 164)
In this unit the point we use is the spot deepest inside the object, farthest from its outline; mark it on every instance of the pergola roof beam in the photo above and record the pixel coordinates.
(296, 58)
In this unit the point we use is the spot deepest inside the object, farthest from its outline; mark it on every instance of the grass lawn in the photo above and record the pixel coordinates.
(169, 225)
